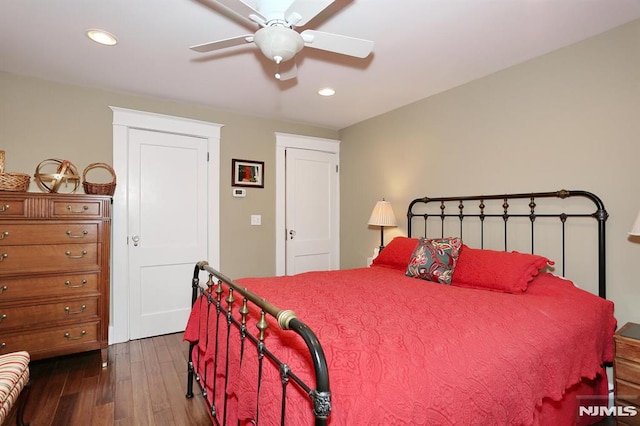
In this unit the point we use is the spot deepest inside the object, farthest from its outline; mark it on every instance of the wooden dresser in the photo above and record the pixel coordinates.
(54, 273)
(626, 368)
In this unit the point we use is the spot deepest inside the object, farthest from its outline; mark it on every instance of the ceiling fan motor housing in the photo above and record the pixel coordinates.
(278, 43)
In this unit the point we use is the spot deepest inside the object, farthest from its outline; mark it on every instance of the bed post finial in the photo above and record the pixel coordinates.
(262, 325)
(244, 311)
(230, 299)
(219, 290)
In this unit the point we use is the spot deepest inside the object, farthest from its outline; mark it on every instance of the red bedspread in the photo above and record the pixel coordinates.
(402, 350)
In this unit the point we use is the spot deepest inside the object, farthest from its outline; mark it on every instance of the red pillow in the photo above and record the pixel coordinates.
(396, 254)
(508, 272)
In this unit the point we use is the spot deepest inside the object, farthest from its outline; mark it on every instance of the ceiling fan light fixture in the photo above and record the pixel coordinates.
(278, 43)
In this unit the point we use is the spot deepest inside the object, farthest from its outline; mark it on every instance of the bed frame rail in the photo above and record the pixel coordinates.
(221, 292)
(458, 208)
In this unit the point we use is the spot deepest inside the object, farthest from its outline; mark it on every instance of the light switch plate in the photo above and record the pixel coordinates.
(256, 219)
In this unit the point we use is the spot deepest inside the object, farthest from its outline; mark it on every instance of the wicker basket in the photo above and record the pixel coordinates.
(18, 182)
(99, 188)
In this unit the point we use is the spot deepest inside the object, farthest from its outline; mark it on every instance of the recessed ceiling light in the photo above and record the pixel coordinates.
(102, 37)
(327, 91)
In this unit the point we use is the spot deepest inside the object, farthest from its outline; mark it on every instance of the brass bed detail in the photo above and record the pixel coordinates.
(215, 291)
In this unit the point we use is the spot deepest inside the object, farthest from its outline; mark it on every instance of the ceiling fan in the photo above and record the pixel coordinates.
(277, 38)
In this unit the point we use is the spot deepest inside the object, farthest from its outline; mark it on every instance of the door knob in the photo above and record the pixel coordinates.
(135, 240)
(292, 234)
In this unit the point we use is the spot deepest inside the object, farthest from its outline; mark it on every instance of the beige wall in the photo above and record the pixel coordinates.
(567, 120)
(564, 120)
(40, 120)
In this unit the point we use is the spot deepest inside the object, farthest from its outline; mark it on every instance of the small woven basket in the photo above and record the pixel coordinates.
(17, 182)
(107, 188)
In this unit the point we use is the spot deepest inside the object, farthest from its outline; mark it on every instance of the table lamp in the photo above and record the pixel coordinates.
(382, 215)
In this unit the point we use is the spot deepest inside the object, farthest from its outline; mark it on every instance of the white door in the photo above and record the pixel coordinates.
(167, 218)
(311, 212)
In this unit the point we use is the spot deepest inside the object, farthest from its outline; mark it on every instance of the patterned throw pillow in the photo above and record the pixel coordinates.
(434, 259)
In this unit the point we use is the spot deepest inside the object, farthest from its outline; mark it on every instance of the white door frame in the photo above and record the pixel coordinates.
(284, 141)
(123, 119)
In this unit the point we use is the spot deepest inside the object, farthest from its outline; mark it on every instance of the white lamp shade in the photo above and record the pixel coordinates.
(278, 43)
(382, 215)
(635, 230)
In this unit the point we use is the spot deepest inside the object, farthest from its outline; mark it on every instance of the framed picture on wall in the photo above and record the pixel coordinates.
(247, 173)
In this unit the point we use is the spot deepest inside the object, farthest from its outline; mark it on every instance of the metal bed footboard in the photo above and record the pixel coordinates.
(462, 210)
(221, 292)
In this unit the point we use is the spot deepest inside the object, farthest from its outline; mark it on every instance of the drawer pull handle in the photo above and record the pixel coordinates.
(67, 335)
(4, 208)
(70, 312)
(69, 285)
(3, 289)
(4, 235)
(70, 209)
(2, 345)
(3, 317)
(69, 234)
(3, 256)
(80, 256)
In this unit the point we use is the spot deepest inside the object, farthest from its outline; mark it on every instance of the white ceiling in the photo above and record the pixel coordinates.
(422, 47)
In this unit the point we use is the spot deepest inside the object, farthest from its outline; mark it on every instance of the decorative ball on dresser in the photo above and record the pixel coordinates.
(65, 174)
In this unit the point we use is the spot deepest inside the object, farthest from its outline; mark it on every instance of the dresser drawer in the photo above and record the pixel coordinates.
(627, 391)
(51, 258)
(628, 371)
(86, 209)
(54, 285)
(12, 234)
(12, 208)
(53, 341)
(14, 316)
(628, 349)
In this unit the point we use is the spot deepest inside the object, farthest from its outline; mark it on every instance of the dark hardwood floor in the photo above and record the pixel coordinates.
(144, 384)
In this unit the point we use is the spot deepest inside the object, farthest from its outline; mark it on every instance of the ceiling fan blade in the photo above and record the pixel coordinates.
(287, 71)
(344, 45)
(221, 44)
(243, 9)
(302, 11)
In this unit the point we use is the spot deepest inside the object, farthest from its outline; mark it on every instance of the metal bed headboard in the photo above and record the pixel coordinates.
(447, 209)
